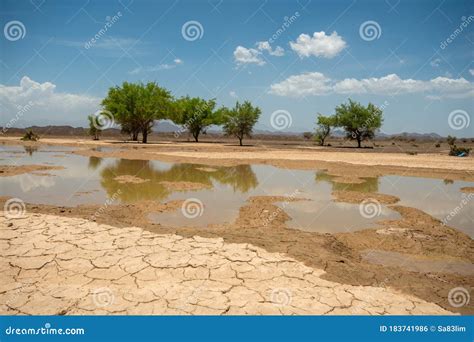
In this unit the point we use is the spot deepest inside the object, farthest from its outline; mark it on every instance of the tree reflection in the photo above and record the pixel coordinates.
(94, 162)
(241, 178)
(370, 184)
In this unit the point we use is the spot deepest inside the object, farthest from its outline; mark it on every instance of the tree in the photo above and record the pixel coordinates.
(95, 128)
(136, 106)
(359, 122)
(325, 124)
(194, 114)
(239, 121)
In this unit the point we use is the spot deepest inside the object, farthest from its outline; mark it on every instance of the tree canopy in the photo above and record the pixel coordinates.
(136, 106)
(360, 122)
(324, 126)
(239, 121)
(194, 114)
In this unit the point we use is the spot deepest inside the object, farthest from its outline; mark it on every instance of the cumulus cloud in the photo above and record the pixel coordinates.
(243, 55)
(265, 46)
(471, 71)
(319, 45)
(315, 83)
(34, 103)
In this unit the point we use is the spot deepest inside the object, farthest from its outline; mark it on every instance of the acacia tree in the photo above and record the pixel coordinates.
(136, 106)
(324, 126)
(95, 128)
(239, 121)
(194, 114)
(359, 122)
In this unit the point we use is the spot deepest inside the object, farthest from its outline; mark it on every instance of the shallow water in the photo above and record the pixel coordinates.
(92, 180)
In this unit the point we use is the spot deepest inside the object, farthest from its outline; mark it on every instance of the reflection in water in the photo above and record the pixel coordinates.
(370, 184)
(241, 178)
(30, 149)
(92, 180)
(94, 162)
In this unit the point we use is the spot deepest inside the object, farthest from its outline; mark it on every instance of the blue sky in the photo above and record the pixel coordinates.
(243, 50)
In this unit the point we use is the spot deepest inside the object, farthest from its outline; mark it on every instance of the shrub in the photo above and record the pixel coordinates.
(30, 136)
(456, 151)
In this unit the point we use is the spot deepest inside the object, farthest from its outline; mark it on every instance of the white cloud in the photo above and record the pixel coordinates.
(233, 94)
(243, 55)
(265, 46)
(319, 45)
(156, 68)
(315, 83)
(34, 103)
(471, 71)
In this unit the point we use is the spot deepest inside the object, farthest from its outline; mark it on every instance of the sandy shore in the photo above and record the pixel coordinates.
(55, 265)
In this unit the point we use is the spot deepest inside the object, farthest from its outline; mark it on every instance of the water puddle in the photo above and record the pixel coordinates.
(418, 263)
(92, 180)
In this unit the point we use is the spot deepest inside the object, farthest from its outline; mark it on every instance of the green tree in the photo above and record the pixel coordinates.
(136, 106)
(95, 128)
(239, 121)
(359, 122)
(194, 114)
(324, 126)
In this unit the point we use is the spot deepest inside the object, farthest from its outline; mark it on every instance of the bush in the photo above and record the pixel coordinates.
(438, 145)
(457, 151)
(30, 136)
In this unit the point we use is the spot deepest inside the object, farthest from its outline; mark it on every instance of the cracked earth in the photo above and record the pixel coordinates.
(61, 265)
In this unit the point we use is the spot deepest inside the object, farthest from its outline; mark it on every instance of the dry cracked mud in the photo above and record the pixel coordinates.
(62, 265)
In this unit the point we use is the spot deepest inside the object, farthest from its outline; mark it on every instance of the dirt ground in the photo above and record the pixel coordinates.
(343, 256)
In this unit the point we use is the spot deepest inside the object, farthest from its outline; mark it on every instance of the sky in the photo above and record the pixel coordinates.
(294, 59)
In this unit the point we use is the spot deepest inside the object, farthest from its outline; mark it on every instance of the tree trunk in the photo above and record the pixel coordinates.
(196, 136)
(240, 141)
(145, 136)
(358, 141)
(135, 136)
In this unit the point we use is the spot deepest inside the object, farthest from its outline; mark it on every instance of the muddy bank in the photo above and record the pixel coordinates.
(263, 224)
(39, 170)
